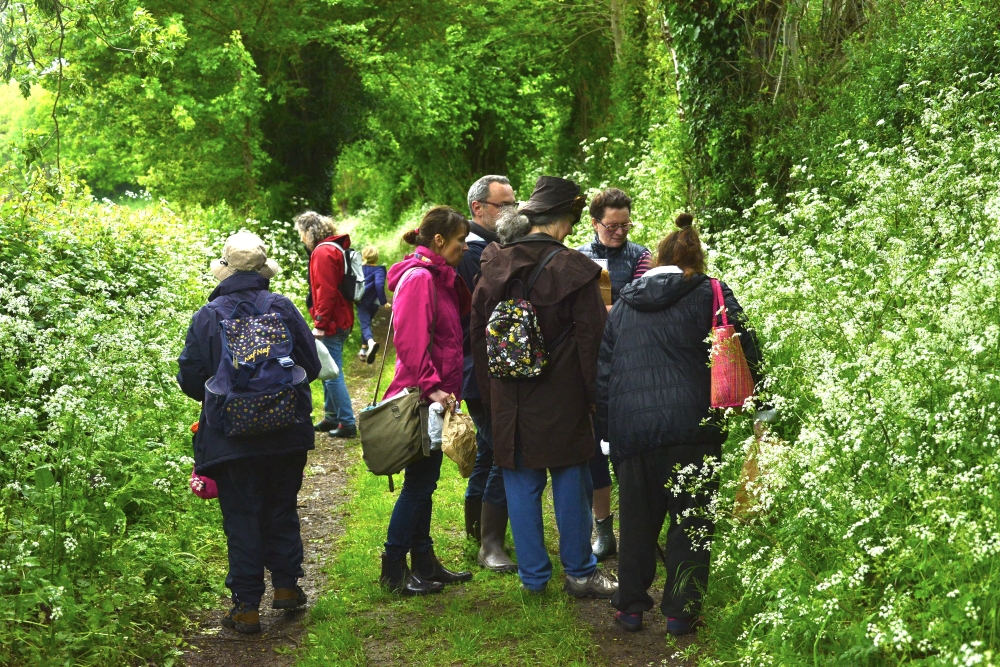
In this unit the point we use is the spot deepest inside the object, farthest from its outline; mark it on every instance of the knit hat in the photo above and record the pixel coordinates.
(554, 195)
(244, 251)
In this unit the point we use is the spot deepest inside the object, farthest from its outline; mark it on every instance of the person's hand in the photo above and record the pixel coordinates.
(444, 398)
(317, 333)
(592, 409)
(388, 305)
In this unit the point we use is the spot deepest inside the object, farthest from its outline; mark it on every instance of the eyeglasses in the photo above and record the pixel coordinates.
(614, 228)
(504, 204)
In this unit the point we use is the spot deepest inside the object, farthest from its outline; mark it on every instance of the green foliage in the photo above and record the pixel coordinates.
(102, 547)
(877, 299)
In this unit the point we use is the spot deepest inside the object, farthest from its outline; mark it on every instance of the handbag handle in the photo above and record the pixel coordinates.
(718, 304)
(388, 334)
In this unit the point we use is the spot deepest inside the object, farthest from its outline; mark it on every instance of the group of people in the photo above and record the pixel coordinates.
(626, 382)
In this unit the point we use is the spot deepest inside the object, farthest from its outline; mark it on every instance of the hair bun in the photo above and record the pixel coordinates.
(410, 236)
(684, 220)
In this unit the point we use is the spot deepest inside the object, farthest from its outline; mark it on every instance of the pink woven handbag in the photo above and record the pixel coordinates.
(732, 383)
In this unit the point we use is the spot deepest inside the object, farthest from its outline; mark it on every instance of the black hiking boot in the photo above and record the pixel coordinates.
(426, 566)
(396, 577)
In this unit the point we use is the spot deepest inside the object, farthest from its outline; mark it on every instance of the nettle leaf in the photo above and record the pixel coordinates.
(44, 478)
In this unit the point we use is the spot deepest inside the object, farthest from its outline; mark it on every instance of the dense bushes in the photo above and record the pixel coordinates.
(102, 547)
(878, 298)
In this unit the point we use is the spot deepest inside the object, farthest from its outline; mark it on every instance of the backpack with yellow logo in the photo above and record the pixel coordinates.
(254, 390)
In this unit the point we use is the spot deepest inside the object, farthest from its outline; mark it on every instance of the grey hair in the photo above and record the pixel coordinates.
(511, 225)
(480, 190)
(315, 227)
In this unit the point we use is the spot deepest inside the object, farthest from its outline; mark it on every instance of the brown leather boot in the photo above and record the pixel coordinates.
(492, 555)
(288, 598)
(242, 619)
(473, 511)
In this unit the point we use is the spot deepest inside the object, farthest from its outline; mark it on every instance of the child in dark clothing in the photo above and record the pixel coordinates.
(372, 300)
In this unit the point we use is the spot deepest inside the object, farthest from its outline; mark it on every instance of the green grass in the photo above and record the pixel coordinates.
(488, 621)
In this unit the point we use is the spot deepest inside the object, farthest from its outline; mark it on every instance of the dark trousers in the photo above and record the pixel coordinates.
(410, 523)
(486, 480)
(365, 314)
(643, 504)
(599, 468)
(258, 497)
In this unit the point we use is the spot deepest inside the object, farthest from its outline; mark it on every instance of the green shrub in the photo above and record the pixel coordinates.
(102, 546)
(878, 301)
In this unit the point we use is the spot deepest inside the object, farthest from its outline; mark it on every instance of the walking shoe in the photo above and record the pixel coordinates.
(492, 555)
(533, 591)
(427, 567)
(325, 426)
(288, 598)
(629, 622)
(363, 353)
(344, 431)
(242, 619)
(605, 544)
(597, 585)
(372, 351)
(682, 626)
(397, 578)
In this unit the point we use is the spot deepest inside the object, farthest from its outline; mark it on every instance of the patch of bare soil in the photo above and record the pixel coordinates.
(650, 647)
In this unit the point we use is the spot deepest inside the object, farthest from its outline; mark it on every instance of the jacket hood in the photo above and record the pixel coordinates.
(343, 240)
(444, 275)
(566, 272)
(239, 281)
(659, 291)
(424, 258)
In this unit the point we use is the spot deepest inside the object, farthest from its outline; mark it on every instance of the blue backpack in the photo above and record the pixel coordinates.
(256, 388)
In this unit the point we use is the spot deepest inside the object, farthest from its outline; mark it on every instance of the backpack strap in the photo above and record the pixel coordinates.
(538, 269)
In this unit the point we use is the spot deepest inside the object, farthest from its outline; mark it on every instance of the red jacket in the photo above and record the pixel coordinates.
(331, 312)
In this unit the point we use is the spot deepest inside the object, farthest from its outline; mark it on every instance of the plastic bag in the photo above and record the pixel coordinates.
(329, 370)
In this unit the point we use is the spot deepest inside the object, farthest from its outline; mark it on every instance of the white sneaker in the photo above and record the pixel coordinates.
(372, 350)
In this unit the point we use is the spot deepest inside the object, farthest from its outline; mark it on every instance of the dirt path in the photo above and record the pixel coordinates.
(323, 489)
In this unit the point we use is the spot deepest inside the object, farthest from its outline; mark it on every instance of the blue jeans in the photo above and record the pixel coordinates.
(410, 523)
(572, 495)
(486, 480)
(336, 400)
(365, 314)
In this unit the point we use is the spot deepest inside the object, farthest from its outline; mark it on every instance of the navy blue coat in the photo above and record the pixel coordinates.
(477, 240)
(654, 384)
(200, 360)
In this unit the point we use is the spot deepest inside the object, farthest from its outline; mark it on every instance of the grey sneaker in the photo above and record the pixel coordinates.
(597, 585)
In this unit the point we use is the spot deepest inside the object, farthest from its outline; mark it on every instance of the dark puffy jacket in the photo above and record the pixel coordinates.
(200, 360)
(653, 379)
(625, 263)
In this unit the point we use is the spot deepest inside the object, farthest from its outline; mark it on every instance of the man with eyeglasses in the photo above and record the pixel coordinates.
(485, 497)
(611, 217)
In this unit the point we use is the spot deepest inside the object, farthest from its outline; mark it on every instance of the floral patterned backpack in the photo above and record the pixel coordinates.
(514, 343)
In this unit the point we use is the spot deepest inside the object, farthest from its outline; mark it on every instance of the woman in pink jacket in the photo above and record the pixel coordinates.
(428, 304)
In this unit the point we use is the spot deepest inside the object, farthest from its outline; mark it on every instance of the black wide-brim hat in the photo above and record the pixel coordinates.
(554, 195)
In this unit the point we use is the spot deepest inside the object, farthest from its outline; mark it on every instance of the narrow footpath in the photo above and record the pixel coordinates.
(325, 490)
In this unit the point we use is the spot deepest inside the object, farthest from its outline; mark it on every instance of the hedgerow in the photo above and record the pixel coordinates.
(102, 547)
(877, 535)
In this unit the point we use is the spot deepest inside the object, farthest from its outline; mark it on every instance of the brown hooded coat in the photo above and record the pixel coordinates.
(549, 416)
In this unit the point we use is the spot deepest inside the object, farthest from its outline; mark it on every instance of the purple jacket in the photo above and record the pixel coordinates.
(431, 282)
